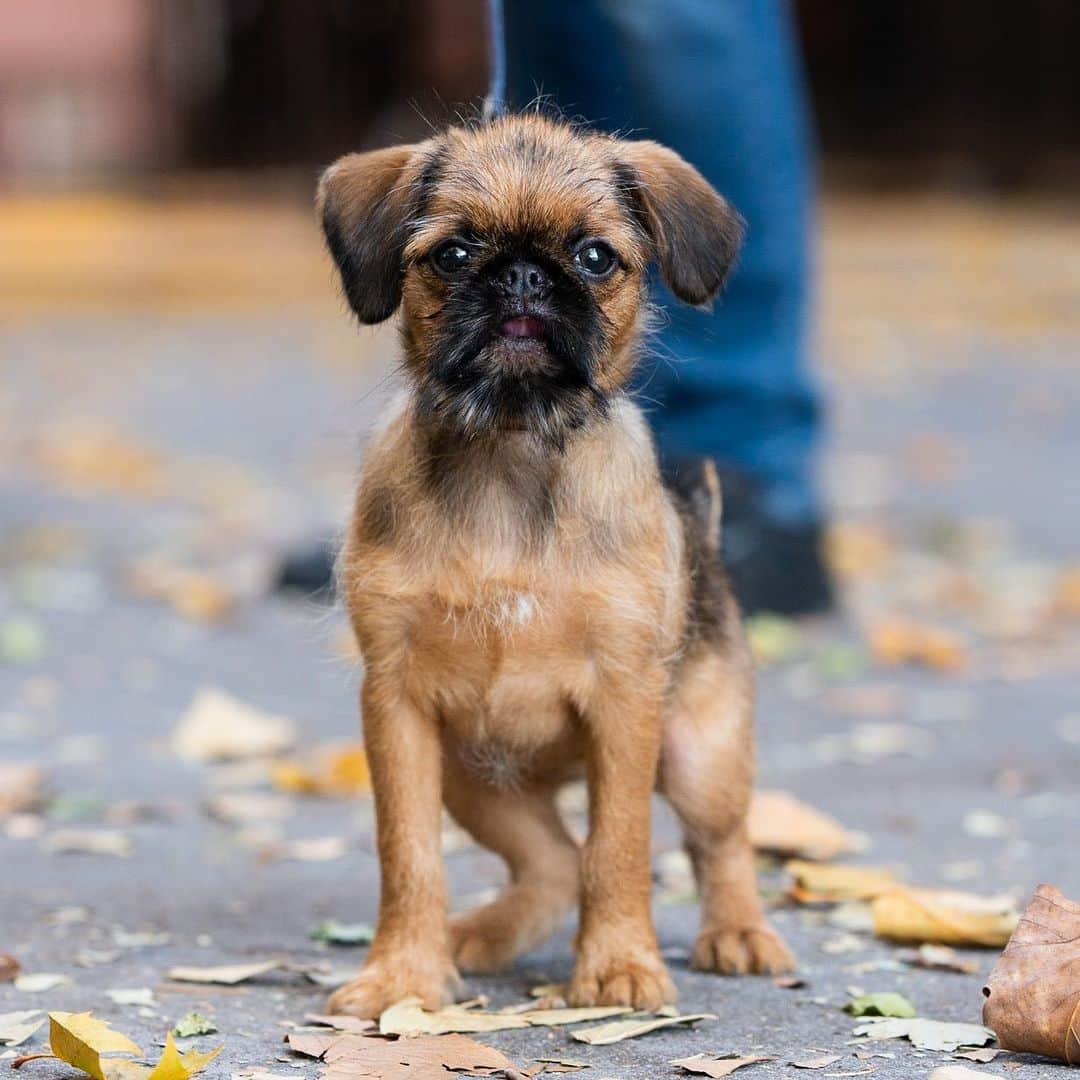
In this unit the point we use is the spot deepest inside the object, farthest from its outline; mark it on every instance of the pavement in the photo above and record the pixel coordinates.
(159, 445)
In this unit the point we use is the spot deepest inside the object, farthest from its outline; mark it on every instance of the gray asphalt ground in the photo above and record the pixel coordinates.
(953, 438)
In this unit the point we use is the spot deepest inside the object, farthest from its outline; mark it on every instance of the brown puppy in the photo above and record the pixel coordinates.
(531, 603)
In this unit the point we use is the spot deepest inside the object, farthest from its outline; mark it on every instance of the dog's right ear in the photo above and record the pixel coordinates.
(365, 202)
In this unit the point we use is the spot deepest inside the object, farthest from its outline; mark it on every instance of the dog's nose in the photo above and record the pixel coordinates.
(523, 280)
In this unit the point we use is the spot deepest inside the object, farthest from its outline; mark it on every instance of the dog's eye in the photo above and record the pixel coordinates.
(596, 259)
(450, 257)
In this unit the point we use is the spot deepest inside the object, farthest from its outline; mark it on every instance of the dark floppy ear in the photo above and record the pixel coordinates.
(696, 233)
(365, 202)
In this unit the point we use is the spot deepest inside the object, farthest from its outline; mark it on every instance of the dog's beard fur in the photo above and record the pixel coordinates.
(480, 383)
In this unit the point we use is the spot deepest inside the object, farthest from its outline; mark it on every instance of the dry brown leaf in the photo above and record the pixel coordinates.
(218, 726)
(822, 1062)
(706, 1065)
(20, 787)
(337, 770)
(223, 974)
(340, 1022)
(617, 1030)
(925, 1034)
(1033, 993)
(829, 883)
(896, 641)
(943, 917)
(956, 1072)
(193, 594)
(408, 1017)
(941, 958)
(9, 967)
(782, 825)
(983, 1056)
(422, 1057)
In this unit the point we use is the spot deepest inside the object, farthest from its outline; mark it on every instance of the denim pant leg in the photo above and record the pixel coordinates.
(718, 81)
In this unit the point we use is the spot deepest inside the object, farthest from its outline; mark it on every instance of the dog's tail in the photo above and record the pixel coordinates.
(695, 482)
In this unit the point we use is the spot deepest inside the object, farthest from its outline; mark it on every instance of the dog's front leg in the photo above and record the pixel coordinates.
(410, 955)
(618, 961)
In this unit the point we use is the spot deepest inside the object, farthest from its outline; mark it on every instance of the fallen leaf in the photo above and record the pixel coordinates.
(943, 917)
(40, 982)
(96, 459)
(984, 1056)
(340, 1022)
(941, 958)
(80, 1040)
(706, 1065)
(354, 1056)
(886, 1003)
(956, 1072)
(17, 1027)
(337, 770)
(336, 933)
(926, 1034)
(9, 967)
(789, 982)
(223, 974)
(409, 1017)
(818, 1062)
(142, 995)
(897, 641)
(830, 883)
(193, 1024)
(192, 593)
(561, 1065)
(20, 787)
(869, 743)
(558, 1017)
(617, 1030)
(772, 637)
(780, 824)
(218, 726)
(245, 807)
(311, 849)
(174, 1065)
(1033, 993)
(986, 825)
(22, 641)
(89, 842)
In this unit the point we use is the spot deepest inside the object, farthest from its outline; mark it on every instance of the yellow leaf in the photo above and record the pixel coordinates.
(80, 1039)
(337, 770)
(176, 1066)
(897, 641)
(943, 917)
(828, 883)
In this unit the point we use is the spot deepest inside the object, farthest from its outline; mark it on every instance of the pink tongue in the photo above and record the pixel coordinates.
(524, 326)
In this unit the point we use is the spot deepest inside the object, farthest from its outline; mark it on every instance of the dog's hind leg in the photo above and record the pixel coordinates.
(524, 827)
(706, 773)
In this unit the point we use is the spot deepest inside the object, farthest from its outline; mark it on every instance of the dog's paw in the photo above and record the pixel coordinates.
(757, 950)
(383, 983)
(481, 944)
(641, 982)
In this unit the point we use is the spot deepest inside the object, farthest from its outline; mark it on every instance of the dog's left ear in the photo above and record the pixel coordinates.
(365, 202)
(695, 231)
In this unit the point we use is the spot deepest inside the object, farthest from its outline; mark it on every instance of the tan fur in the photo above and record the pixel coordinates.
(525, 617)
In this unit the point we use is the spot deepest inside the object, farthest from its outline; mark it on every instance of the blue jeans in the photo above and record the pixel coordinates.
(718, 81)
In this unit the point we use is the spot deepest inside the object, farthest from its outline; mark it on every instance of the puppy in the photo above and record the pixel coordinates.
(531, 604)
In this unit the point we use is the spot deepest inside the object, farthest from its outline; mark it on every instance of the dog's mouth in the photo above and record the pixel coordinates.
(523, 328)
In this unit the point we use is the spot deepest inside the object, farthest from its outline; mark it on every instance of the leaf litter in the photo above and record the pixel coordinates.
(717, 1066)
(17, 1027)
(91, 1045)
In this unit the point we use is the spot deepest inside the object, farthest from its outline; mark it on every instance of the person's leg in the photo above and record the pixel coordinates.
(719, 83)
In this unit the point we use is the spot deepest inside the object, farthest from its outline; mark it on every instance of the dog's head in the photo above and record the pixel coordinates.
(518, 252)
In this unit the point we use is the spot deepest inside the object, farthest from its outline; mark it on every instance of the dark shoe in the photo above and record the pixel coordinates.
(309, 569)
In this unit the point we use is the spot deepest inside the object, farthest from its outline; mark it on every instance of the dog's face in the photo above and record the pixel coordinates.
(518, 252)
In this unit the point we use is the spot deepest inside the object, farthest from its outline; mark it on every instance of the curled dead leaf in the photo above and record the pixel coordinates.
(782, 825)
(1033, 993)
(943, 917)
(829, 883)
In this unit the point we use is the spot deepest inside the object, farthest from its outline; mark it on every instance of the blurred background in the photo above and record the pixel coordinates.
(182, 396)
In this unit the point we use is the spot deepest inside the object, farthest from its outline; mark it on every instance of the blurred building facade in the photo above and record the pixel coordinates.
(984, 91)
